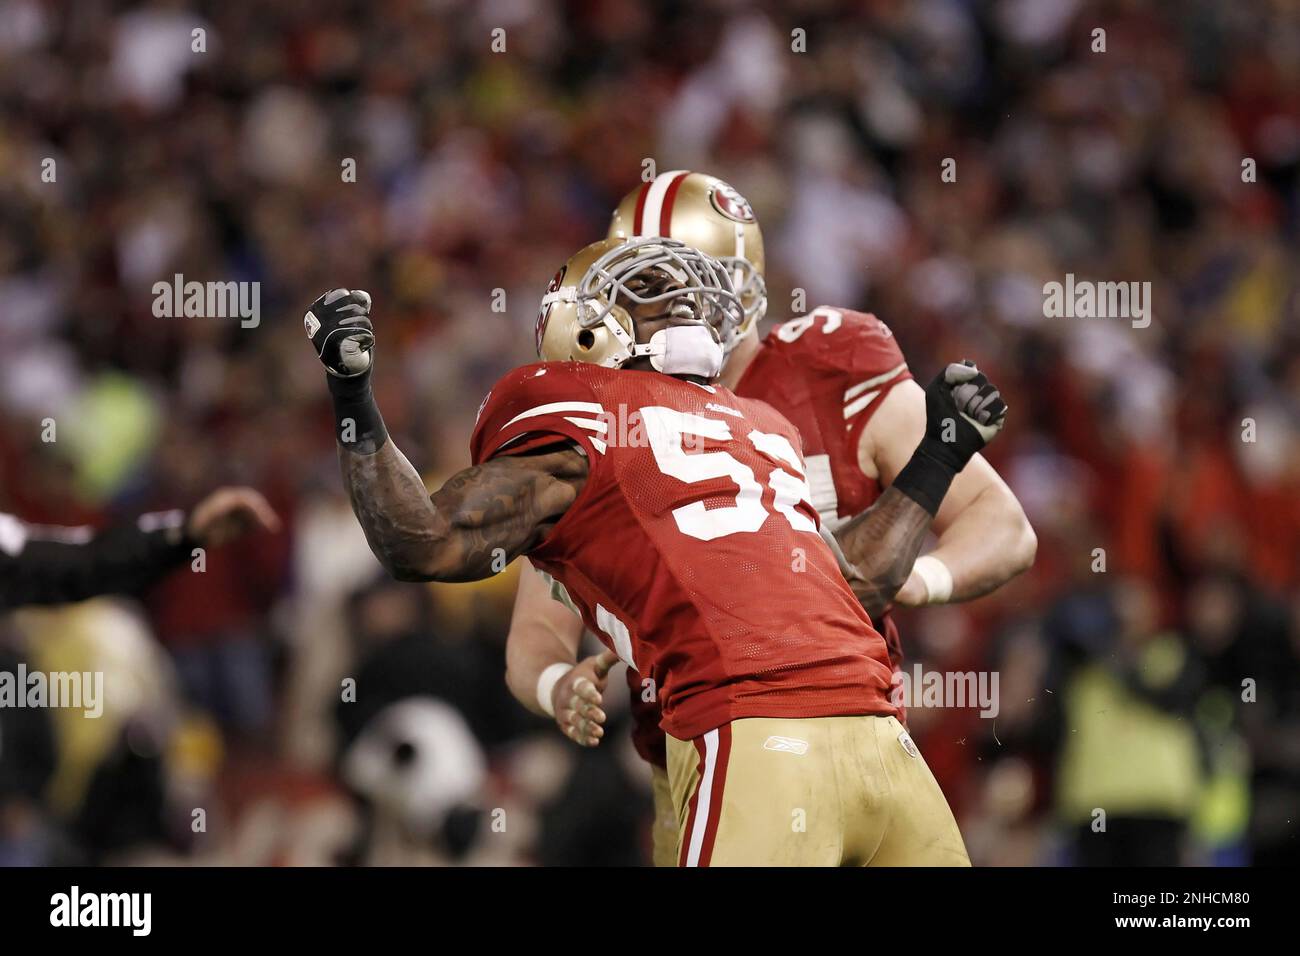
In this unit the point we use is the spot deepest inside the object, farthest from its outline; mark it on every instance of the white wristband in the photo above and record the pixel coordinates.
(936, 577)
(546, 686)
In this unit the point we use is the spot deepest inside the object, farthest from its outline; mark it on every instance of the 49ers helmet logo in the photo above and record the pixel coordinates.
(730, 203)
(544, 313)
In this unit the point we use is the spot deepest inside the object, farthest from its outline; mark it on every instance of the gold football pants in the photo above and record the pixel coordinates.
(818, 791)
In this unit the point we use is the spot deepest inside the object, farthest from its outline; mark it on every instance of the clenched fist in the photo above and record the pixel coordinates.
(964, 411)
(338, 324)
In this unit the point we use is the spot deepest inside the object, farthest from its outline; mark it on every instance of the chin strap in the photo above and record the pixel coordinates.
(685, 350)
(676, 350)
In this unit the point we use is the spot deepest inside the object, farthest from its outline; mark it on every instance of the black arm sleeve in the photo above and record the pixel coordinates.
(118, 560)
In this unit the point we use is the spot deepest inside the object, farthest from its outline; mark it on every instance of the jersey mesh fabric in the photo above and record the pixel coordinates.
(687, 551)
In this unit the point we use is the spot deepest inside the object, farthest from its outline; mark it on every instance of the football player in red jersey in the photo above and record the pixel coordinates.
(677, 517)
(840, 377)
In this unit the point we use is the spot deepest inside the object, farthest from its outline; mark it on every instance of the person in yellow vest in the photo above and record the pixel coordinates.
(1131, 772)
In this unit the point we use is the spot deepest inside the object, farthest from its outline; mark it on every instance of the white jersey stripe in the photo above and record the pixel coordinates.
(854, 407)
(617, 632)
(857, 390)
(594, 408)
(588, 423)
(821, 482)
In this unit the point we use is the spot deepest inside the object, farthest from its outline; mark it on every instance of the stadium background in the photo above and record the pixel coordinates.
(480, 171)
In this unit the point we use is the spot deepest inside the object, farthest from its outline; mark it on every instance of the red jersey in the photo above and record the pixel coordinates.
(827, 372)
(693, 549)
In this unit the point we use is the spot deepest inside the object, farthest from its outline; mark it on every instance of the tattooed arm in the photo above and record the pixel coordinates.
(470, 528)
(881, 545)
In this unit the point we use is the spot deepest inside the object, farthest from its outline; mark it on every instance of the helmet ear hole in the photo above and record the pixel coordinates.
(586, 339)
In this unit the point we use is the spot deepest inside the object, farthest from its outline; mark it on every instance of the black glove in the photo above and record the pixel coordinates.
(964, 411)
(338, 324)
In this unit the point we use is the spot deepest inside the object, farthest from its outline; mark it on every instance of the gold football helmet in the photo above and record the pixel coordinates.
(585, 314)
(704, 212)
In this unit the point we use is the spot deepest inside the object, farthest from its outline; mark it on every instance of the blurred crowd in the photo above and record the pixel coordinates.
(290, 705)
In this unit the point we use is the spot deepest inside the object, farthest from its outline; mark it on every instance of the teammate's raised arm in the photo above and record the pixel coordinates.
(964, 412)
(481, 519)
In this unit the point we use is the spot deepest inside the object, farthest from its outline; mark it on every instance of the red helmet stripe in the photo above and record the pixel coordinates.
(666, 215)
(640, 208)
